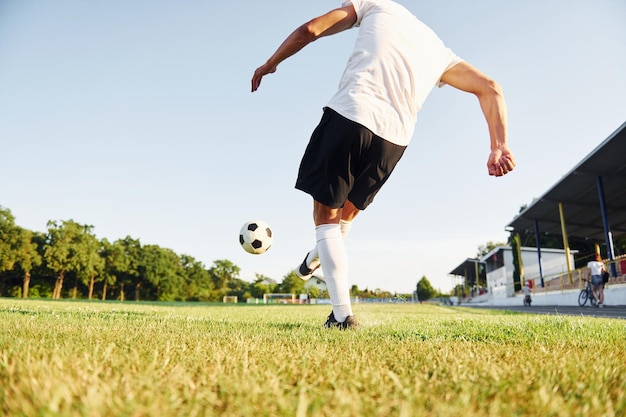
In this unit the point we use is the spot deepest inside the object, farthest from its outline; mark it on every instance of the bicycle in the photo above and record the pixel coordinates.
(527, 300)
(587, 294)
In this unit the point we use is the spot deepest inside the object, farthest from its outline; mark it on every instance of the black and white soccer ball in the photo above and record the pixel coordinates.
(255, 237)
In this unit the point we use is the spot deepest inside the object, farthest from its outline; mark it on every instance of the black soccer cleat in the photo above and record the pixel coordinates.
(350, 323)
(304, 272)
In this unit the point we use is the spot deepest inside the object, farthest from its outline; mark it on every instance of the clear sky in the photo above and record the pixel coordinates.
(136, 117)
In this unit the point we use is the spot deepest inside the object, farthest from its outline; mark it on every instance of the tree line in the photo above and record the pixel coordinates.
(69, 261)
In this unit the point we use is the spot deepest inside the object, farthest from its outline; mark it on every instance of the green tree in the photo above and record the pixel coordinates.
(425, 290)
(292, 284)
(222, 272)
(380, 293)
(90, 262)
(458, 291)
(262, 285)
(315, 292)
(239, 288)
(9, 241)
(197, 279)
(160, 268)
(515, 247)
(129, 263)
(115, 263)
(354, 291)
(27, 258)
(63, 251)
(488, 247)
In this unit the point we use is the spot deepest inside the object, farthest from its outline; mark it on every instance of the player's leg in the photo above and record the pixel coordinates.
(376, 160)
(343, 168)
(311, 261)
(327, 174)
(333, 257)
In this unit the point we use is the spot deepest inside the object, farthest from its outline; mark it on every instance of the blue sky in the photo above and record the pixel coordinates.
(136, 117)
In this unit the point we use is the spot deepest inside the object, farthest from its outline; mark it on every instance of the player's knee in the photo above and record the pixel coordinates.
(349, 211)
(323, 214)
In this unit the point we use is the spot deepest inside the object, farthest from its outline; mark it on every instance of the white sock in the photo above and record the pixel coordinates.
(334, 259)
(345, 227)
(313, 258)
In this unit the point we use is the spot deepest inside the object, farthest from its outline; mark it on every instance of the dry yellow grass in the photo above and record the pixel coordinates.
(127, 359)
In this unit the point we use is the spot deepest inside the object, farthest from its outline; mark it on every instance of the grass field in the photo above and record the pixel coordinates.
(63, 358)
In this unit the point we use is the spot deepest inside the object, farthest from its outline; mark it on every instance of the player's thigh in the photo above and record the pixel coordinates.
(374, 169)
(327, 168)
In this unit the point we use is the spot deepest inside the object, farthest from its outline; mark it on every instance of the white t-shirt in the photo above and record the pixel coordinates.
(595, 267)
(396, 62)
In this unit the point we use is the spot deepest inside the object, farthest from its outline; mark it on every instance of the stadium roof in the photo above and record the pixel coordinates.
(466, 267)
(578, 191)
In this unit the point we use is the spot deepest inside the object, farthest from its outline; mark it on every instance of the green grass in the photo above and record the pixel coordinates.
(63, 358)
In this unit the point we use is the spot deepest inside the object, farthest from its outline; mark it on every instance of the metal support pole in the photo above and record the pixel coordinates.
(477, 282)
(566, 244)
(605, 224)
(538, 244)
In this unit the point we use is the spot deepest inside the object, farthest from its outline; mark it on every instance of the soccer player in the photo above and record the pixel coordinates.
(365, 128)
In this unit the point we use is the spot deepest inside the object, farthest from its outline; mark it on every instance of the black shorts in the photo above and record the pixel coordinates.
(345, 161)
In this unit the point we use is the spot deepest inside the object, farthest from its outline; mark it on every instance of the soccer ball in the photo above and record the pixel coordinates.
(255, 237)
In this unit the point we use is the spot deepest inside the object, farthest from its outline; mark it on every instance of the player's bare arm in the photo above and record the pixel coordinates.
(328, 24)
(465, 77)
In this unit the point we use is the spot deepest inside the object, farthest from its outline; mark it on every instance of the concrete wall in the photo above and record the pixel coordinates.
(614, 294)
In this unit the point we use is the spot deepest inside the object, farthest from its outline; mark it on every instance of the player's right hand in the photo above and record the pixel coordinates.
(260, 72)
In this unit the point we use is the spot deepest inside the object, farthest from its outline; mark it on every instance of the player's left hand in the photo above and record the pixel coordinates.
(501, 161)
